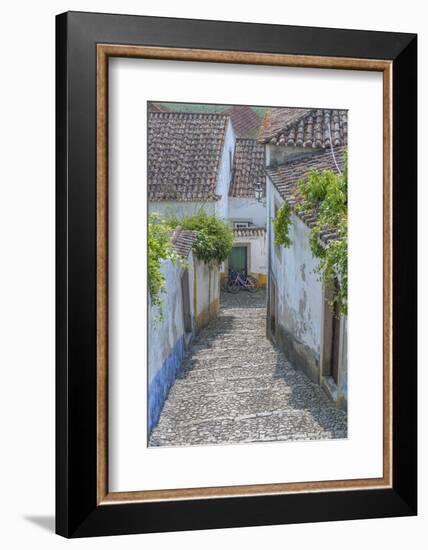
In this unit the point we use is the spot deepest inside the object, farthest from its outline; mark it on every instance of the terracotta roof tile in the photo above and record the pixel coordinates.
(182, 241)
(290, 127)
(245, 121)
(184, 151)
(286, 176)
(248, 168)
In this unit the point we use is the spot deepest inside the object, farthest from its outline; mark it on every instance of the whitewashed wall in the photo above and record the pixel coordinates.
(299, 289)
(166, 344)
(225, 172)
(298, 305)
(247, 209)
(207, 285)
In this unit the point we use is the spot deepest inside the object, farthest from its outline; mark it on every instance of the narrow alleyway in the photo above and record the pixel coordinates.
(236, 387)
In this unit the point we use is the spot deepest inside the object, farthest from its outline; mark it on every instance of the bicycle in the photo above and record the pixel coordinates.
(239, 280)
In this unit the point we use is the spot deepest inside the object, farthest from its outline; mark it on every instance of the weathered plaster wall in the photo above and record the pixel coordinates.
(225, 172)
(299, 295)
(206, 294)
(166, 342)
(247, 210)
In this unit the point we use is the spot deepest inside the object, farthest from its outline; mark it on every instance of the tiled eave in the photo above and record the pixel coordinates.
(255, 231)
(285, 178)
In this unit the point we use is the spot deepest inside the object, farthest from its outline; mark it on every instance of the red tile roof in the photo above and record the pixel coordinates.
(245, 121)
(292, 127)
(184, 151)
(248, 168)
(182, 241)
(286, 176)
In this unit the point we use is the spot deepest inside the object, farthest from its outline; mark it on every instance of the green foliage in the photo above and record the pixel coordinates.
(206, 108)
(214, 240)
(325, 195)
(159, 248)
(281, 225)
(213, 244)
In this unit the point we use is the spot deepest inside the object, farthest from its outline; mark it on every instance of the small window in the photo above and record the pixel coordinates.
(239, 225)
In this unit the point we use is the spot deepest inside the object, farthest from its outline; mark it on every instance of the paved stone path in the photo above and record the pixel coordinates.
(236, 387)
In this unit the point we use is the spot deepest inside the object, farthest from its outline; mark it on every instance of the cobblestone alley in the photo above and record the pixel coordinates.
(236, 387)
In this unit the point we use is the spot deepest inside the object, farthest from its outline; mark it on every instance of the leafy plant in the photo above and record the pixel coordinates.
(324, 195)
(159, 248)
(214, 239)
(281, 225)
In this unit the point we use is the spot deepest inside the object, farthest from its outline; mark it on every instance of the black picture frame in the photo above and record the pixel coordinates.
(77, 511)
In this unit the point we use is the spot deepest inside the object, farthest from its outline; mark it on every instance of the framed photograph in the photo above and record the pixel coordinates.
(236, 274)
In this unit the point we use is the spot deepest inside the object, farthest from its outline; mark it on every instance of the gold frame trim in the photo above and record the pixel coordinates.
(104, 51)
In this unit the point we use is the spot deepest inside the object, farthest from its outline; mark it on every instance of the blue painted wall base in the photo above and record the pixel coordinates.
(161, 384)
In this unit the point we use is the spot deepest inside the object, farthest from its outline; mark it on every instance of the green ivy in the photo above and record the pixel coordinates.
(159, 248)
(214, 239)
(324, 195)
(212, 245)
(281, 225)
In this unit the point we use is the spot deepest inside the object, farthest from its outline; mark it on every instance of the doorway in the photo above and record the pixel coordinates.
(185, 294)
(272, 308)
(331, 337)
(238, 259)
(335, 342)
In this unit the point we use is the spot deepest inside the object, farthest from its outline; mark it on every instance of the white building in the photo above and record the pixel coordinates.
(300, 319)
(190, 162)
(197, 161)
(248, 215)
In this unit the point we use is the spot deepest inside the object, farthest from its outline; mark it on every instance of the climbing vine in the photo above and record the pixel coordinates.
(281, 224)
(324, 195)
(214, 239)
(159, 248)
